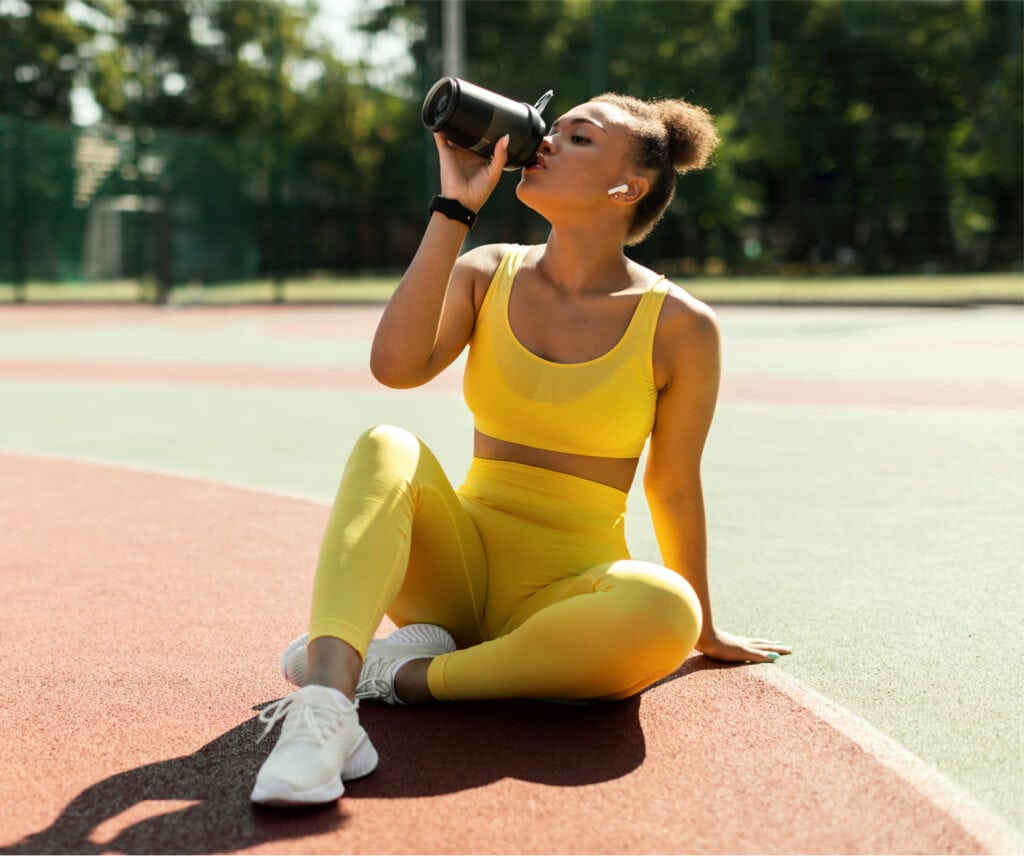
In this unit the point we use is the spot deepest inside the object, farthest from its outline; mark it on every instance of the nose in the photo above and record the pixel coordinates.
(547, 145)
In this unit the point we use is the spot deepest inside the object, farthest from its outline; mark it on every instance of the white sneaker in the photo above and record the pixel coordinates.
(293, 661)
(386, 656)
(321, 743)
(383, 659)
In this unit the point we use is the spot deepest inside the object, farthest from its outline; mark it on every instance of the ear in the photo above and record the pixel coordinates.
(635, 189)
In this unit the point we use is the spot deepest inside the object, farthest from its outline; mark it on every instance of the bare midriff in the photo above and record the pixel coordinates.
(615, 472)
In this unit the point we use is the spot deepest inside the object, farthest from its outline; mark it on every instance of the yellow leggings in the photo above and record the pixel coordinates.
(527, 569)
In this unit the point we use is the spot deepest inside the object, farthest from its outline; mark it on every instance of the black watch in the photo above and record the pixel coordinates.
(453, 210)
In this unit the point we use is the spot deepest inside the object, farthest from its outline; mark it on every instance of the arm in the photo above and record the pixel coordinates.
(688, 369)
(430, 317)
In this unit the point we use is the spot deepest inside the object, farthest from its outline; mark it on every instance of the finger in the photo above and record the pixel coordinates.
(769, 645)
(500, 157)
(776, 653)
(762, 655)
(773, 654)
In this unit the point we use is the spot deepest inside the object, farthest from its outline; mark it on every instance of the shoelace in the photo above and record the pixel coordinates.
(327, 722)
(373, 688)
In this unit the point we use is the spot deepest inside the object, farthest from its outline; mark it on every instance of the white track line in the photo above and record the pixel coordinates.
(166, 472)
(949, 797)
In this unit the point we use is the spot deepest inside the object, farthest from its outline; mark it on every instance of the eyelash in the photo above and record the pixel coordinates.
(573, 138)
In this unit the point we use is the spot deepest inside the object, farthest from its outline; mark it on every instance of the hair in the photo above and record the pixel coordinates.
(671, 137)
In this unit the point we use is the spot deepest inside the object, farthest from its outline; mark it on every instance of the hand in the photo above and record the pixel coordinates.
(468, 177)
(738, 649)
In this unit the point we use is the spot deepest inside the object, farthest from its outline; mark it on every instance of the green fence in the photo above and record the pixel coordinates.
(108, 204)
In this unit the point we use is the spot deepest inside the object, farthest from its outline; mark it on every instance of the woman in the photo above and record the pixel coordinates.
(519, 584)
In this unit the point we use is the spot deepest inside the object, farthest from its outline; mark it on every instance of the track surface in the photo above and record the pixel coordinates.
(143, 612)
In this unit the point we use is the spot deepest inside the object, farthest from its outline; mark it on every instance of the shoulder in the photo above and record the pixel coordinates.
(681, 312)
(684, 313)
(476, 267)
(687, 337)
(484, 260)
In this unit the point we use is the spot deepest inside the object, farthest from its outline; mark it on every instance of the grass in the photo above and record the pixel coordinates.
(966, 289)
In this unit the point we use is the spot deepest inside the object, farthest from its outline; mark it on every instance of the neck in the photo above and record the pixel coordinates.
(580, 261)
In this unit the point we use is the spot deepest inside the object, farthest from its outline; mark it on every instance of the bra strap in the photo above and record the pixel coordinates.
(648, 312)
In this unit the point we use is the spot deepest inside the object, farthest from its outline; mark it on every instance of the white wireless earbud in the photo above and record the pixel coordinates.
(621, 188)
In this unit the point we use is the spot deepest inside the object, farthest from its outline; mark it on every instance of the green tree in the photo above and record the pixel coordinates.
(316, 149)
(222, 68)
(40, 65)
(986, 158)
(39, 59)
(580, 48)
(885, 133)
(882, 134)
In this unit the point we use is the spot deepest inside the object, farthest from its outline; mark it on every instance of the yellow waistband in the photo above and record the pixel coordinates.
(514, 485)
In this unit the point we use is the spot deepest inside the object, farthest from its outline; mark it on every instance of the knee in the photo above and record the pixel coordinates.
(387, 444)
(667, 616)
(384, 454)
(386, 438)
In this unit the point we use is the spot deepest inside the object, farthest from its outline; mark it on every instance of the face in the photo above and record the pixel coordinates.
(586, 152)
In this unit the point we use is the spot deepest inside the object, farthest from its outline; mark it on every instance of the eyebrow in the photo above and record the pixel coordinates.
(580, 121)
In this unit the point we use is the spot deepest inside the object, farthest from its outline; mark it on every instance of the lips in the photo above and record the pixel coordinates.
(538, 163)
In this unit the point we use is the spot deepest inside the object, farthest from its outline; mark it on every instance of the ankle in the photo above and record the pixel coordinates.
(411, 686)
(333, 663)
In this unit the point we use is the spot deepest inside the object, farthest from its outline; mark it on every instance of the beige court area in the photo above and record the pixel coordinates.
(166, 478)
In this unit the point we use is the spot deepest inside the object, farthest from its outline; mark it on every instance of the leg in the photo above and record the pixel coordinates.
(608, 633)
(398, 541)
(330, 662)
(397, 538)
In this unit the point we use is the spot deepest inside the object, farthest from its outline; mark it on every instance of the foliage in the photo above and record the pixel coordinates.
(222, 68)
(39, 47)
(858, 134)
(863, 133)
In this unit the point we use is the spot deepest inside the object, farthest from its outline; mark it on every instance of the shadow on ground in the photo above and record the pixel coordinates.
(203, 798)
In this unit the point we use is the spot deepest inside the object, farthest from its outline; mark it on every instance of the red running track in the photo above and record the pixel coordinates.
(141, 623)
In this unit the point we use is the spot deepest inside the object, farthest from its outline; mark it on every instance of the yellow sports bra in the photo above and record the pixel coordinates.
(602, 407)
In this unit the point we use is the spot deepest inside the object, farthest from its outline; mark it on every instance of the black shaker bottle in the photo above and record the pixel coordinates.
(475, 118)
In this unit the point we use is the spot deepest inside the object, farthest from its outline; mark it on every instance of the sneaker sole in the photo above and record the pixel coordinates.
(361, 762)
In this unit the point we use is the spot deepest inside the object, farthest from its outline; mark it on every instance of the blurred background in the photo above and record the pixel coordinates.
(151, 147)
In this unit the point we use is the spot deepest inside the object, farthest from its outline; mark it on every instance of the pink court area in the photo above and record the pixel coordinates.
(141, 624)
(357, 323)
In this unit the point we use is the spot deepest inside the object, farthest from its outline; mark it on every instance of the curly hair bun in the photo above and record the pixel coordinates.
(669, 127)
(670, 137)
(692, 136)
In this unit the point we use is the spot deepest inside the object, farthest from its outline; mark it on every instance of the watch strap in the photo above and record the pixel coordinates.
(453, 210)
